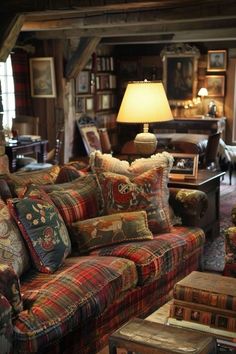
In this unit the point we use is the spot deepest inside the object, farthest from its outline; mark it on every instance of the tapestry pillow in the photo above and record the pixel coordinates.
(10, 288)
(111, 229)
(76, 200)
(19, 181)
(43, 230)
(144, 192)
(12, 248)
(107, 163)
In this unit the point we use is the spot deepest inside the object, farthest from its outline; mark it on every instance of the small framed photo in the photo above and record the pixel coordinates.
(216, 60)
(83, 81)
(215, 85)
(90, 137)
(42, 77)
(80, 105)
(106, 102)
(185, 166)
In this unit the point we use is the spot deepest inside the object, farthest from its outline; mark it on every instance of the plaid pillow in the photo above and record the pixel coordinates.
(147, 191)
(111, 229)
(69, 173)
(43, 230)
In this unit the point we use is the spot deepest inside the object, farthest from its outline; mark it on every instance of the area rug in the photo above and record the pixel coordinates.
(214, 251)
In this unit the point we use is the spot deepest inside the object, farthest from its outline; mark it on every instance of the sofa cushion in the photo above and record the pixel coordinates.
(10, 288)
(12, 248)
(111, 229)
(43, 230)
(146, 191)
(78, 292)
(159, 256)
(19, 181)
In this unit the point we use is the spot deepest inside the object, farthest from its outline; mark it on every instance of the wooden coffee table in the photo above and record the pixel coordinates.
(147, 337)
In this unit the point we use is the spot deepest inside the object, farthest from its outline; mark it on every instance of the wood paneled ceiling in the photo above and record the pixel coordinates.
(118, 21)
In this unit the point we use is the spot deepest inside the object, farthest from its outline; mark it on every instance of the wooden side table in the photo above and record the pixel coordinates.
(208, 182)
(154, 338)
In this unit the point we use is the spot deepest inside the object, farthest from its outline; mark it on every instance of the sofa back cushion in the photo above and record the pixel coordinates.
(12, 248)
(143, 192)
(43, 230)
(111, 229)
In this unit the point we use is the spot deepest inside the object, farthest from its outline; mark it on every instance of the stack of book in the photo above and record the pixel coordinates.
(207, 302)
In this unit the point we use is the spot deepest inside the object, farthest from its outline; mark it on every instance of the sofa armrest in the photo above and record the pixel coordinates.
(188, 204)
(6, 327)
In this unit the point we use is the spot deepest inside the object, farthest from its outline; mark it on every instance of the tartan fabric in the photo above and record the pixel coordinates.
(79, 291)
(90, 337)
(69, 173)
(159, 256)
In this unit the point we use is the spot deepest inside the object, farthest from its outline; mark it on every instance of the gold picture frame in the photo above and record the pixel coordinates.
(180, 65)
(185, 166)
(216, 60)
(215, 85)
(42, 77)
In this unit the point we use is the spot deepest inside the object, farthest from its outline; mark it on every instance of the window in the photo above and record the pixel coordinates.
(8, 92)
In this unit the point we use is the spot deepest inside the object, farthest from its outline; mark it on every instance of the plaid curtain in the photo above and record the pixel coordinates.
(20, 67)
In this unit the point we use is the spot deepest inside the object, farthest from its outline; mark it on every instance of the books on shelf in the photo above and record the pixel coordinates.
(208, 289)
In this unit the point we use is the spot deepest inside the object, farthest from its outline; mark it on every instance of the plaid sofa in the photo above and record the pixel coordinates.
(75, 308)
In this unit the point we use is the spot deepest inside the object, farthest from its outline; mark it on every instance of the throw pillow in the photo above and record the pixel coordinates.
(43, 230)
(19, 181)
(69, 173)
(76, 200)
(107, 163)
(111, 229)
(144, 192)
(12, 248)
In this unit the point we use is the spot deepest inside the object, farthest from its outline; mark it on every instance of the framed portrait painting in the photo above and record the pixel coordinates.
(42, 77)
(185, 166)
(216, 60)
(215, 85)
(180, 65)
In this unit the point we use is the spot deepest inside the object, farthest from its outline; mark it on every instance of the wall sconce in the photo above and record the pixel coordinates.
(145, 102)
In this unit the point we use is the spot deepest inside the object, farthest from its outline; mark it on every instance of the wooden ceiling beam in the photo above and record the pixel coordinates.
(79, 58)
(10, 29)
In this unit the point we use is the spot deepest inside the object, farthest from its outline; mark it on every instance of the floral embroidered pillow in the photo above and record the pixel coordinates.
(43, 230)
(111, 229)
(147, 191)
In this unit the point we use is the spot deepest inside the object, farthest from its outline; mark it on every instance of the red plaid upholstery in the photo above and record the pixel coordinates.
(157, 257)
(79, 291)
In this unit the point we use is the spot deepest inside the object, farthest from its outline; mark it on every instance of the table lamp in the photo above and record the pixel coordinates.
(144, 102)
(203, 93)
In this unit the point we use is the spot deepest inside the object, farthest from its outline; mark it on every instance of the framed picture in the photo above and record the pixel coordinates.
(180, 64)
(90, 137)
(80, 104)
(216, 60)
(89, 104)
(42, 77)
(83, 82)
(185, 166)
(215, 85)
(106, 102)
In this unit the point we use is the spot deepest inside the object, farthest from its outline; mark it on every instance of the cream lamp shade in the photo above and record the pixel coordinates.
(203, 93)
(144, 102)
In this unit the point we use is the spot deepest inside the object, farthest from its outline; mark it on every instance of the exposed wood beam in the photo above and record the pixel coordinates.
(182, 36)
(80, 57)
(10, 29)
(145, 30)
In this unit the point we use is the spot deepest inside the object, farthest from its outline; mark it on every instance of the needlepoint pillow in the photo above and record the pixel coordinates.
(12, 248)
(111, 229)
(43, 230)
(147, 191)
